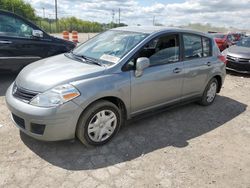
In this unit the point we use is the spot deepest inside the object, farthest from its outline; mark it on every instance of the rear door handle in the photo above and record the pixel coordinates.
(177, 70)
(209, 64)
(5, 42)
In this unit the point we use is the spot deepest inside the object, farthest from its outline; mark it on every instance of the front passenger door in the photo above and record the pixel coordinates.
(160, 83)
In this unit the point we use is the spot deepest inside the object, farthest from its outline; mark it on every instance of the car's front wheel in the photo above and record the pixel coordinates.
(99, 123)
(209, 93)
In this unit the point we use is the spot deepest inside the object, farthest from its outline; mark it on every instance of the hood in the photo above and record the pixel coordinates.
(50, 72)
(239, 51)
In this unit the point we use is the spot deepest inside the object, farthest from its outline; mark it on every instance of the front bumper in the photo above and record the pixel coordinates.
(47, 124)
(238, 67)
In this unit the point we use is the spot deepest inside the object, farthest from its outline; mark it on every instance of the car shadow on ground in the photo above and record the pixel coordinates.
(5, 81)
(161, 129)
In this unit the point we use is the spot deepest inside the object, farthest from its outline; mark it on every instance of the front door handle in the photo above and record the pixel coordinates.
(177, 70)
(5, 42)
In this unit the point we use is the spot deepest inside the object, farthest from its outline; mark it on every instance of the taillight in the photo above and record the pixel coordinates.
(222, 58)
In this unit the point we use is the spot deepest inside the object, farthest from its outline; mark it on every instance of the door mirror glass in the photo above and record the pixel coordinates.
(37, 33)
(141, 64)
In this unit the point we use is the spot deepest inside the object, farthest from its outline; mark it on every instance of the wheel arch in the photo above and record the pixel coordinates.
(219, 80)
(113, 99)
(116, 101)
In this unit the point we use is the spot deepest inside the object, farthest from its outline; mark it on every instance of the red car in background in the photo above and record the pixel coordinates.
(224, 40)
(237, 36)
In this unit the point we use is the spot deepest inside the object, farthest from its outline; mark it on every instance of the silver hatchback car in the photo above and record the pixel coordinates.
(123, 72)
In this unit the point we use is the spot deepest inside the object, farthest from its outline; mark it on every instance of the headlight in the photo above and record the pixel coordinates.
(55, 96)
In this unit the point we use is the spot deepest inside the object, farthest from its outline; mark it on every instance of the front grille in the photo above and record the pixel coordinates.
(23, 94)
(237, 60)
(19, 121)
(238, 66)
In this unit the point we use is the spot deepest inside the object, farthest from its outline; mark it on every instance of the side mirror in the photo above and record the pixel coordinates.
(37, 33)
(141, 64)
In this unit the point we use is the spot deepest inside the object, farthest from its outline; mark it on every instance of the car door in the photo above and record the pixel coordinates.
(198, 62)
(18, 47)
(161, 82)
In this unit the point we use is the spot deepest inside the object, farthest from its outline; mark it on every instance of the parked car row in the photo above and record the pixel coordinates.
(224, 40)
(238, 56)
(236, 48)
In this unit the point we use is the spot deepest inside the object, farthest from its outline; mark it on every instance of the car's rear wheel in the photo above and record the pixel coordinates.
(209, 94)
(99, 123)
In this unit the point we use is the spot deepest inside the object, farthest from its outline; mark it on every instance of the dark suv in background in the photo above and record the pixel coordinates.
(22, 42)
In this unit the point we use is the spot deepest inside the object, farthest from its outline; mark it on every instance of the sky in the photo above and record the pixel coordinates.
(221, 13)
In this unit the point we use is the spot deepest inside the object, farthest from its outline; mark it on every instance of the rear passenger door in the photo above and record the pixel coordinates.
(198, 62)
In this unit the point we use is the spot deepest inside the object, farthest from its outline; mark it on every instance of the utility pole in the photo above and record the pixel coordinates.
(113, 18)
(56, 15)
(119, 21)
(43, 12)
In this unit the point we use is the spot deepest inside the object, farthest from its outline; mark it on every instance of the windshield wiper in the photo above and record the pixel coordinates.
(91, 60)
(86, 59)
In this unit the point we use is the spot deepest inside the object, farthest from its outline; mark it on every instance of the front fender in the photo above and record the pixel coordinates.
(110, 85)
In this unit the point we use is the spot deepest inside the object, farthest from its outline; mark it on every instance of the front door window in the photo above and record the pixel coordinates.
(13, 27)
(162, 50)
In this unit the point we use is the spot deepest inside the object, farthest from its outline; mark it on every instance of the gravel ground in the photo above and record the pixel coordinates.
(187, 146)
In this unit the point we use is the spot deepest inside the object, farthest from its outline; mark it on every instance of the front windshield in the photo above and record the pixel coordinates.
(245, 42)
(110, 46)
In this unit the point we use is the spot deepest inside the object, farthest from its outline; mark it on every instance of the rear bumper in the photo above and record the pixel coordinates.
(47, 124)
(238, 67)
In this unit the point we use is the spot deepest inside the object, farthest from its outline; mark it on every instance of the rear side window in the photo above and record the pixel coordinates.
(14, 27)
(206, 44)
(192, 46)
(196, 46)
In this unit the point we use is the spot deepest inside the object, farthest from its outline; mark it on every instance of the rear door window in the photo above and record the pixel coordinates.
(192, 46)
(196, 46)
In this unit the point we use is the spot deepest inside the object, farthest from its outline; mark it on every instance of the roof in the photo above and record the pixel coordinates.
(142, 29)
(154, 29)
(150, 29)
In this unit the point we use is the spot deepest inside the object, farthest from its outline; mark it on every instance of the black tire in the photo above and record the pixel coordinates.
(88, 114)
(204, 99)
